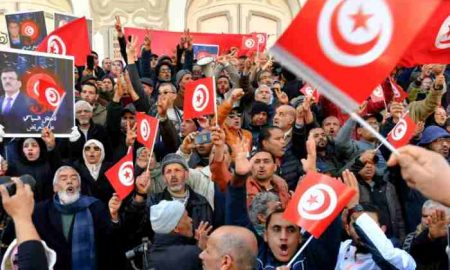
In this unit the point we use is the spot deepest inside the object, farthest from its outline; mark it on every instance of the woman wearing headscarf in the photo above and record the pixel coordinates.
(92, 171)
(39, 158)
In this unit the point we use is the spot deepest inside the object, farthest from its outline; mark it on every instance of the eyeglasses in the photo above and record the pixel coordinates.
(165, 70)
(88, 148)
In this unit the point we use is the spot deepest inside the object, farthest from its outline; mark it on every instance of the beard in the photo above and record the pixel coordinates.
(67, 198)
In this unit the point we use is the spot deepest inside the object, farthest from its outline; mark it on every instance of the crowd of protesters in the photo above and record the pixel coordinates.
(218, 202)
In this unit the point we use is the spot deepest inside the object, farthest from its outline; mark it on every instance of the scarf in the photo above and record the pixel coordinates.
(83, 240)
(94, 169)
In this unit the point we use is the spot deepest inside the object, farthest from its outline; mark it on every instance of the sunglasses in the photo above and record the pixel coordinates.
(88, 148)
(236, 115)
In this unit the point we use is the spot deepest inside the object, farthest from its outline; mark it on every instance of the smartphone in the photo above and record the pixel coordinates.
(203, 138)
(90, 62)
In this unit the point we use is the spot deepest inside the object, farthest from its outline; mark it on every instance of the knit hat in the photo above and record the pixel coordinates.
(173, 158)
(165, 216)
(180, 75)
(432, 133)
(259, 107)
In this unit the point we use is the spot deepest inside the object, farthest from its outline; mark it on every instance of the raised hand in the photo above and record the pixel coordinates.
(114, 205)
(202, 234)
(188, 143)
(118, 26)
(162, 105)
(143, 182)
(131, 134)
(282, 96)
(236, 94)
(48, 137)
(437, 224)
(148, 40)
(242, 165)
(309, 164)
(131, 49)
(350, 180)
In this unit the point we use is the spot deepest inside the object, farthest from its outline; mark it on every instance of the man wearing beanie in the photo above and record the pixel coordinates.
(175, 172)
(172, 247)
(183, 77)
(259, 120)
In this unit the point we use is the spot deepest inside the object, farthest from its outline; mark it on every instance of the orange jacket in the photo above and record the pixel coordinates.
(280, 188)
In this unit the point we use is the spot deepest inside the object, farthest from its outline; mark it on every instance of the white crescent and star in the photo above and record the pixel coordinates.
(200, 97)
(52, 96)
(56, 45)
(145, 129)
(443, 36)
(126, 174)
(354, 32)
(317, 202)
(399, 130)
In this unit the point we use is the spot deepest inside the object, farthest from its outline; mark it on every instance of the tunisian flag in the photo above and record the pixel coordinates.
(402, 132)
(70, 39)
(352, 45)
(317, 201)
(377, 94)
(432, 44)
(399, 93)
(200, 98)
(121, 176)
(147, 129)
(308, 90)
(50, 94)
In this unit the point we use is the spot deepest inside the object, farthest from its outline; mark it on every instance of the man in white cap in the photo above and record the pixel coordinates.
(173, 247)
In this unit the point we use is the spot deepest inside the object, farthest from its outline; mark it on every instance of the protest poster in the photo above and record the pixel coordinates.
(61, 19)
(36, 91)
(26, 29)
(205, 50)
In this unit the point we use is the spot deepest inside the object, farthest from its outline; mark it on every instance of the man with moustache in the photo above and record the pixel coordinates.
(77, 227)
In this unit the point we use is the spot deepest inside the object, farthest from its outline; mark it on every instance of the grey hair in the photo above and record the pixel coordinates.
(83, 104)
(265, 86)
(170, 84)
(259, 205)
(62, 168)
(430, 204)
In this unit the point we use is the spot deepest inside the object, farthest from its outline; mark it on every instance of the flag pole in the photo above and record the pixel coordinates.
(300, 251)
(56, 110)
(365, 125)
(153, 145)
(215, 102)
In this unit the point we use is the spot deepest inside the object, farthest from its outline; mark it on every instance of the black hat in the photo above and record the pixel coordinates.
(129, 108)
(258, 107)
(147, 81)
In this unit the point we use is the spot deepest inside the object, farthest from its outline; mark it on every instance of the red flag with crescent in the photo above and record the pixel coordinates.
(308, 90)
(352, 44)
(70, 39)
(121, 176)
(432, 44)
(402, 132)
(317, 201)
(147, 129)
(377, 94)
(50, 95)
(200, 98)
(250, 43)
(399, 93)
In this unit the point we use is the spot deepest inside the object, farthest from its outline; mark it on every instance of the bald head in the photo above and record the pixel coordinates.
(284, 117)
(232, 246)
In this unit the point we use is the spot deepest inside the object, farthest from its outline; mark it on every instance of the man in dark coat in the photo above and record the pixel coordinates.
(173, 247)
(77, 227)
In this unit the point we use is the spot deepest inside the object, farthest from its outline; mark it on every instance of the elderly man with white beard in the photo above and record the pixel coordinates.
(77, 227)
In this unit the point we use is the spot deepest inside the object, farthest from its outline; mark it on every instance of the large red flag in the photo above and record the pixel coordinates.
(317, 201)
(70, 39)
(50, 94)
(121, 176)
(147, 129)
(199, 98)
(432, 44)
(352, 45)
(402, 132)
